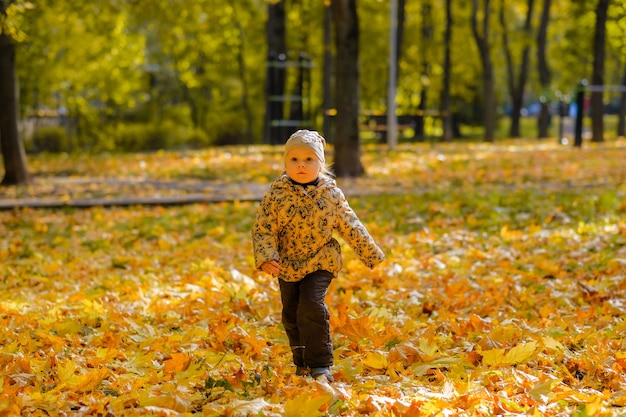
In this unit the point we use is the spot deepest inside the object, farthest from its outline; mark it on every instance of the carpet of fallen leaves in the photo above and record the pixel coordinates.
(504, 292)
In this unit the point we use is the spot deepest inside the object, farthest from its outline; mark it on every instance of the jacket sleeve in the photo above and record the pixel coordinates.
(265, 233)
(356, 235)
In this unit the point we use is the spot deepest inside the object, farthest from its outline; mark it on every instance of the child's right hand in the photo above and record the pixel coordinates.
(271, 267)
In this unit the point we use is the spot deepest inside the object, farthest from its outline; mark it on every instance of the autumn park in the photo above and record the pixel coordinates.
(481, 144)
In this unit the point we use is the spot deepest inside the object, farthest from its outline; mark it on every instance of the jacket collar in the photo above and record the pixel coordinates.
(322, 182)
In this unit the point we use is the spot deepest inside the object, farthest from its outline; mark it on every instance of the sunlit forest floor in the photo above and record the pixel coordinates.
(503, 292)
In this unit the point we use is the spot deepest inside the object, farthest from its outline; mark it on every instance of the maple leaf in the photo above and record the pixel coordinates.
(376, 360)
(355, 328)
(307, 404)
(83, 382)
(163, 403)
(542, 392)
(518, 354)
(177, 362)
(406, 353)
(423, 368)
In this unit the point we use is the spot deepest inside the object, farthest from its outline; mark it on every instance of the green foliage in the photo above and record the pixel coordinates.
(206, 62)
(134, 137)
(101, 61)
(82, 58)
(49, 139)
(12, 18)
(226, 128)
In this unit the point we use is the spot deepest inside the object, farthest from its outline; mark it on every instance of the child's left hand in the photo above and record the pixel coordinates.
(271, 267)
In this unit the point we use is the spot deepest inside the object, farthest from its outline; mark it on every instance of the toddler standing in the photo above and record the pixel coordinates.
(293, 240)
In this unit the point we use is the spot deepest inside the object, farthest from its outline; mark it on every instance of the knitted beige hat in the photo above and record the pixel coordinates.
(309, 139)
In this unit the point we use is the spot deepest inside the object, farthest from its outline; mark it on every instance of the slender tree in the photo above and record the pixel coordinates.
(621, 122)
(240, 52)
(597, 78)
(481, 36)
(396, 44)
(400, 33)
(13, 154)
(446, 115)
(347, 161)
(276, 30)
(427, 32)
(517, 85)
(328, 76)
(620, 21)
(544, 70)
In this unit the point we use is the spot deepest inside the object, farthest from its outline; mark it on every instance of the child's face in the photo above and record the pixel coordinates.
(302, 165)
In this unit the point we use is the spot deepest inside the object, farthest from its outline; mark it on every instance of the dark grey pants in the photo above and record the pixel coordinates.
(306, 319)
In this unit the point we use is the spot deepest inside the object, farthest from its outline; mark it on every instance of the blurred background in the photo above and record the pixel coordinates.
(129, 75)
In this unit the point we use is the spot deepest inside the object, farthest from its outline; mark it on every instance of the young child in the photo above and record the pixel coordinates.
(293, 240)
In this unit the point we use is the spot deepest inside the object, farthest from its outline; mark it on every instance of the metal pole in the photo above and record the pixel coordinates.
(580, 104)
(562, 140)
(392, 121)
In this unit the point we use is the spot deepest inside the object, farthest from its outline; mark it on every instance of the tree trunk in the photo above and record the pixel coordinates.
(347, 161)
(621, 121)
(427, 40)
(400, 32)
(544, 71)
(327, 78)
(276, 74)
(516, 89)
(13, 154)
(597, 78)
(482, 41)
(396, 40)
(240, 53)
(510, 74)
(446, 115)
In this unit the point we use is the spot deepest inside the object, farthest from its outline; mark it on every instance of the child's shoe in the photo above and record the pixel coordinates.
(317, 373)
(302, 370)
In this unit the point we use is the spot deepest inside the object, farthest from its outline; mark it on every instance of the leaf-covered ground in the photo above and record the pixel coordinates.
(504, 291)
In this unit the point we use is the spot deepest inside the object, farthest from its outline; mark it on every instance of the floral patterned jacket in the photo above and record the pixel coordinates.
(294, 225)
